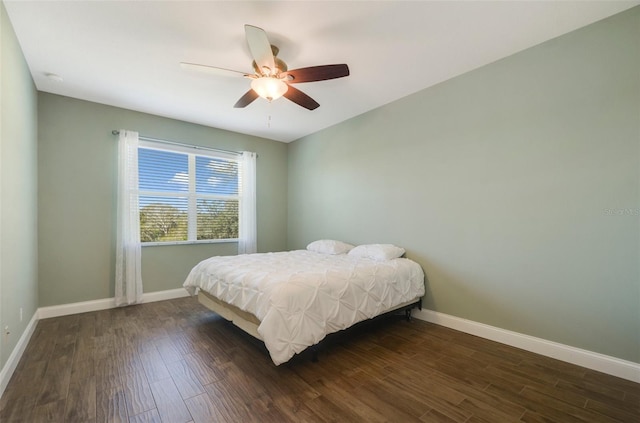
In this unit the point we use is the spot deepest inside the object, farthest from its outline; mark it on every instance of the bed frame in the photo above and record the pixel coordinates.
(249, 323)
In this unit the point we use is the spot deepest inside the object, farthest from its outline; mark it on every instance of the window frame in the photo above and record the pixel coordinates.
(191, 194)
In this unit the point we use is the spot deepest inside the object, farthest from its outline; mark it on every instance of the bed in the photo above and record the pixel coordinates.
(292, 300)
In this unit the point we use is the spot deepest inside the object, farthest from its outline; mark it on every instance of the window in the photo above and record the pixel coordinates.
(187, 194)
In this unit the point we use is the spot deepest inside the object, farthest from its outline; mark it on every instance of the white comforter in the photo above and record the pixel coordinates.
(301, 296)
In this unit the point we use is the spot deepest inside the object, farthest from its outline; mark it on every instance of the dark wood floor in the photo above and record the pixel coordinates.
(175, 362)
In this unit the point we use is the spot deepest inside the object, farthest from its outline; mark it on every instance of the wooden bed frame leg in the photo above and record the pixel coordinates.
(407, 314)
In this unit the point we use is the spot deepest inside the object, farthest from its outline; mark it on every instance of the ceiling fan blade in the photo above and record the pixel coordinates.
(246, 99)
(301, 99)
(210, 69)
(318, 73)
(260, 47)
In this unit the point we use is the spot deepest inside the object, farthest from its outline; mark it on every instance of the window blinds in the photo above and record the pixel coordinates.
(187, 194)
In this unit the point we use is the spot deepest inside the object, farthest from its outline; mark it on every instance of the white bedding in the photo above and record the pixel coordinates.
(301, 296)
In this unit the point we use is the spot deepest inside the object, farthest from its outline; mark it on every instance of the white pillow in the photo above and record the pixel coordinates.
(329, 246)
(379, 252)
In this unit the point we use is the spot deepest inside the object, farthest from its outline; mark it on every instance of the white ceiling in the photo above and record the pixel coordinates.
(126, 53)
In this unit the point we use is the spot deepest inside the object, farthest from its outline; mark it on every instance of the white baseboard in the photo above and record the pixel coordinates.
(11, 364)
(106, 303)
(591, 360)
(169, 294)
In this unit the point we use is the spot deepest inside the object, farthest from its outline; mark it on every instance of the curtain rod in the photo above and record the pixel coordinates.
(117, 132)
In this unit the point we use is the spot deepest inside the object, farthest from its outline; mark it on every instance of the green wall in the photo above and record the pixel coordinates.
(515, 186)
(77, 188)
(18, 191)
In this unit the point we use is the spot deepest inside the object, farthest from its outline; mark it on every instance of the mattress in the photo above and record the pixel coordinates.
(301, 296)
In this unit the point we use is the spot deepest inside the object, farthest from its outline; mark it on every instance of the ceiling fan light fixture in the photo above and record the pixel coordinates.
(269, 88)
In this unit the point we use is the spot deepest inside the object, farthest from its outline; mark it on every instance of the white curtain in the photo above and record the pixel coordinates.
(128, 247)
(248, 235)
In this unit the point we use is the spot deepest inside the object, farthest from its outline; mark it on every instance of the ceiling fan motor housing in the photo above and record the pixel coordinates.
(281, 66)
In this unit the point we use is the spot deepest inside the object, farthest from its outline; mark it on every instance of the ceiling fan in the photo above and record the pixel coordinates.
(272, 79)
